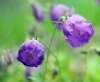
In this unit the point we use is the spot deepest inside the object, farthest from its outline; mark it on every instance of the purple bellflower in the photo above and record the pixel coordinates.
(31, 53)
(58, 11)
(38, 12)
(77, 30)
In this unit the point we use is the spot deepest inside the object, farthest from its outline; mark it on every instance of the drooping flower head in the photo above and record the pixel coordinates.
(58, 11)
(31, 53)
(77, 31)
(38, 12)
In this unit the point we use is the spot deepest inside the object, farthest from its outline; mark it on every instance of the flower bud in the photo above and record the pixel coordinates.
(28, 73)
(58, 11)
(38, 12)
(8, 58)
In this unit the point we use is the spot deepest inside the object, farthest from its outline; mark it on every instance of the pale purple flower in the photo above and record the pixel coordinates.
(38, 12)
(58, 11)
(77, 30)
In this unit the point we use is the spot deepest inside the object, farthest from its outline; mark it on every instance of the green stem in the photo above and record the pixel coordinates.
(48, 54)
(86, 59)
(57, 61)
(82, 77)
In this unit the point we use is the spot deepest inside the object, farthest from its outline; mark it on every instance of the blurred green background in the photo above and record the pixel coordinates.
(65, 63)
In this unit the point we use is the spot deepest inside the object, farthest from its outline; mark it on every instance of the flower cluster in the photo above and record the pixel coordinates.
(76, 29)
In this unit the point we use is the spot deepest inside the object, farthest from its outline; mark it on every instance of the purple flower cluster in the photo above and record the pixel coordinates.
(31, 53)
(76, 29)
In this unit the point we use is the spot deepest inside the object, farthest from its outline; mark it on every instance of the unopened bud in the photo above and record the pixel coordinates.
(8, 58)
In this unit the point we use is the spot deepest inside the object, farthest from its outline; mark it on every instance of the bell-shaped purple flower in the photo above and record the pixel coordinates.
(31, 53)
(77, 30)
(38, 12)
(58, 11)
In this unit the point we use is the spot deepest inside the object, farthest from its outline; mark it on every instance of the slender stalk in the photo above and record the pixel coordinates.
(82, 77)
(86, 59)
(48, 55)
(57, 61)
